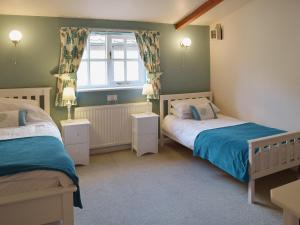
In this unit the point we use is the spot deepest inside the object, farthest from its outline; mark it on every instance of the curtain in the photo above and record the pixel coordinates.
(148, 42)
(72, 41)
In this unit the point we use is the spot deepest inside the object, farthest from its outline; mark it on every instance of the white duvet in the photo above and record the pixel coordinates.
(32, 129)
(39, 124)
(186, 130)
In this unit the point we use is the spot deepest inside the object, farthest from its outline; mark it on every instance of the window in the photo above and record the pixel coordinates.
(111, 60)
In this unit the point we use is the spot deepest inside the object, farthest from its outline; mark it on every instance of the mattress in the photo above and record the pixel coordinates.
(185, 131)
(34, 180)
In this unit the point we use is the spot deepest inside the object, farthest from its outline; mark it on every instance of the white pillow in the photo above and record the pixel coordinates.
(9, 119)
(34, 112)
(205, 100)
(180, 114)
(182, 107)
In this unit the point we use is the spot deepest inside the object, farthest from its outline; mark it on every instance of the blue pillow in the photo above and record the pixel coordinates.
(203, 112)
(22, 117)
(195, 114)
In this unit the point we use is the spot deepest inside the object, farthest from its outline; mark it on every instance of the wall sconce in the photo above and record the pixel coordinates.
(15, 36)
(186, 42)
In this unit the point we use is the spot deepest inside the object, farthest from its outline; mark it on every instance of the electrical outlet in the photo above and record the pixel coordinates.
(112, 98)
(109, 98)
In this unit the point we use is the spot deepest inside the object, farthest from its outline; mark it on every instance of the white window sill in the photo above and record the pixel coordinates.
(108, 89)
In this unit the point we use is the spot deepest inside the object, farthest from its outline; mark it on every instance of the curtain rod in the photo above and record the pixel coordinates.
(114, 30)
(110, 30)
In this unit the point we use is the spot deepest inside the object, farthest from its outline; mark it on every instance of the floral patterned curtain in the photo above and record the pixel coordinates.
(148, 42)
(73, 41)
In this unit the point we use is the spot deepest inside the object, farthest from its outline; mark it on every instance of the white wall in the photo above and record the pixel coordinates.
(255, 70)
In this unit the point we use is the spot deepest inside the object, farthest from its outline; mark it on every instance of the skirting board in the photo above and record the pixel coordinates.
(109, 149)
(96, 151)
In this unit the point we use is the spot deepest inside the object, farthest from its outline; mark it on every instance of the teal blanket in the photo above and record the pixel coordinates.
(37, 153)
(227, 147)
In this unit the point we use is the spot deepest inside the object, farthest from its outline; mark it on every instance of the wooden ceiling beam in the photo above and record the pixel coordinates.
(202, 9)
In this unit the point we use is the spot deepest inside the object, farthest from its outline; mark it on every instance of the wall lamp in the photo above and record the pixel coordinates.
(186, 42)
(15, 36)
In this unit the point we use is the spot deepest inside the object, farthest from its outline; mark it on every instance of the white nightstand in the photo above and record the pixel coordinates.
(144, 133)
(75, 134)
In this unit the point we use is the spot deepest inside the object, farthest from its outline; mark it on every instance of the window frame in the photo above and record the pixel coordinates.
(109, 47)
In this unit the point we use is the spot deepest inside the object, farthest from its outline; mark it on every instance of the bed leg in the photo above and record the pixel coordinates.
(289, 218)
(251, 191)
(68, 215)
(162, 141)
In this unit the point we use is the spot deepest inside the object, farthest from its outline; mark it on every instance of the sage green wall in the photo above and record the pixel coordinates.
(184, 70)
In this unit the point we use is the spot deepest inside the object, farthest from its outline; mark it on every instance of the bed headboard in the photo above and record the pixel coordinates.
(40, 95)
(173, 97)
(170, 98)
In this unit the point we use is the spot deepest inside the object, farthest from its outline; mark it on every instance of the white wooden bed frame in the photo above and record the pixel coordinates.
(267, 155)
(36, 207)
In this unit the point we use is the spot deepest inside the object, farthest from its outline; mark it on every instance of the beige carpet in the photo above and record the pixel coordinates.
(170, 188)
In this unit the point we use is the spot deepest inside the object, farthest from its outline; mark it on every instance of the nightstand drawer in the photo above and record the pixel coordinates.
(76, 134)
(145, 126)
(79, 153)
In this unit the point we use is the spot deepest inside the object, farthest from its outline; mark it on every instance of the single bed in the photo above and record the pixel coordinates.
(186, 130)
(36, 196)
(265, 155)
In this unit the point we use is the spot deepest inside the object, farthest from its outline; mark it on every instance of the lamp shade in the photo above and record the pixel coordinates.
(69, 94)
(147, 89)
(15, 36)
(186, 42)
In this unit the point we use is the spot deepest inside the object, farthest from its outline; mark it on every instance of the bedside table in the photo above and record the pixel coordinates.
(144, 133)
(75, 134)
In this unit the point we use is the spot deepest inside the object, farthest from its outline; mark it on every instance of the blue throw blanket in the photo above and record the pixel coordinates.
(37, 153)
(227, 147)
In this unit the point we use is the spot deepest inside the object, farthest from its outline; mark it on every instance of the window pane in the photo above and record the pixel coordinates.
(131, 41)
(98, 73)
(110, 54)
(97, 52)
(118, 54)
(96, 38)
(132, 70)
(132, 54)
(117, 41)
(82, 74)
(119, 71)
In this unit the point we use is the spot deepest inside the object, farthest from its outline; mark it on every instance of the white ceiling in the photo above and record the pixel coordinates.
(160, 11)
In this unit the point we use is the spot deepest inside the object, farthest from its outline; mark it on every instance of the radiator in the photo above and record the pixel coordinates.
(110, 124)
